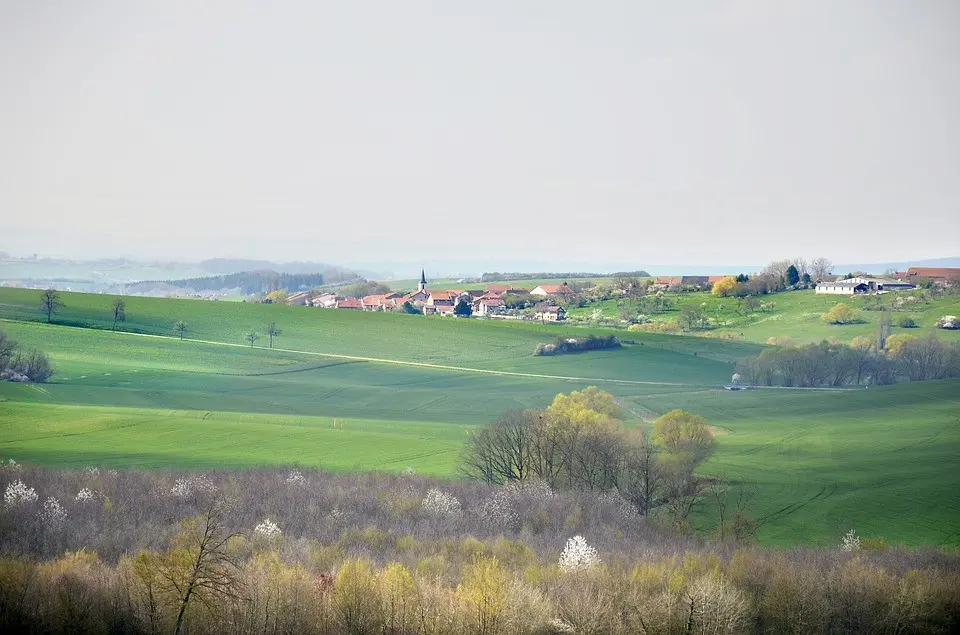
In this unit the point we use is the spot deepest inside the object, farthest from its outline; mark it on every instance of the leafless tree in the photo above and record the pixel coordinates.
(272, 331)
(641, 479)
(252, 337)
(50, 303)
(180, 327)
(119, 312)
(502, 451)
(820, 268)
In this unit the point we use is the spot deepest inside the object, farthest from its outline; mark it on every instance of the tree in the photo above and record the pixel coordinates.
(252, 337)
(503, 450)
(119, 312)
(199, 566)
(684, 434)
(792, 275)
(820, 268)
(272, 331)
(180, 327)
(896, 343)
(462, 309)
(276, 297)
(691, 317)
(724, 286)
(50, 303)
(841, 314)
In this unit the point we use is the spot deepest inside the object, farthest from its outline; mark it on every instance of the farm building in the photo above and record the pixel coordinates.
(552, 289)
(863, 284)
(842, 288)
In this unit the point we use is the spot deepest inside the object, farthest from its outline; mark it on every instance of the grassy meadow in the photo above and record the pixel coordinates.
(881, 460)
(796, 314)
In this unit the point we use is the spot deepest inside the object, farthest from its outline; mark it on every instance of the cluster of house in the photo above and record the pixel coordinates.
(898, 281)
(483, 303)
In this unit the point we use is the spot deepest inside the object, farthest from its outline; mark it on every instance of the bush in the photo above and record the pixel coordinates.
(908, 323)
(842, 314)
(950, 322)
(577, 345)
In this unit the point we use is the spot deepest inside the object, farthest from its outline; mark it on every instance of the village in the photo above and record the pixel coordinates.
(485, 303)
(549, 302)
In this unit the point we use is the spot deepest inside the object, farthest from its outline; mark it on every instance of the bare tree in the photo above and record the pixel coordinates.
(252, 337)
(273, 332)
(119, 312)
(50, 303)
(180, 327)
(502, 451)
(200, 566)
(820, 268)
(641, 479)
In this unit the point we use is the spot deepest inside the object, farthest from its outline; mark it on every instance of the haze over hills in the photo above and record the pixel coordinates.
(111, 275)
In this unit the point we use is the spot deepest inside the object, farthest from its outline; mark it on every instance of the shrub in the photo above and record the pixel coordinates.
(577, 345)
(578, 556)
(441, 505)
(850, 541)
(841, 314)
(267, 529)
(950, 322)
(18, 494)
(908, 323)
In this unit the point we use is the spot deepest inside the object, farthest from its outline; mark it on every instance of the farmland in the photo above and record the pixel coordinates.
(795, 315)
(882, 460)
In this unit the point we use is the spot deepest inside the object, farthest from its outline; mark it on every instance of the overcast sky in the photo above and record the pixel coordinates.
(638, 132)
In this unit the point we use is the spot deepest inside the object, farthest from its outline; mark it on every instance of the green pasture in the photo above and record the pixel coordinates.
(796, 314)
(883, 461)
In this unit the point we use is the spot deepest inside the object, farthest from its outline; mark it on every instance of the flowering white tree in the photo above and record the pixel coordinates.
(53, 514)
(85, 495)
(578, 556)
(441, 504)
(18, 493)
(850, 541)
(267, 529)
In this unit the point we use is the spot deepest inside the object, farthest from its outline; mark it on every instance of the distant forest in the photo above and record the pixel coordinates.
(497, 276)
(252, 282)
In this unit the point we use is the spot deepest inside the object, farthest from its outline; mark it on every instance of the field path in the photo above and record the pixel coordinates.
(398, 362)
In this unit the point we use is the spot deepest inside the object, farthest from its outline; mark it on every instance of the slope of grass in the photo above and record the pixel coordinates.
(796, 314)
(884, 461)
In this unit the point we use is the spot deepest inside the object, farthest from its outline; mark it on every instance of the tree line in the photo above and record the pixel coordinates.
(900, 357)
(251, 282)
(497, 276)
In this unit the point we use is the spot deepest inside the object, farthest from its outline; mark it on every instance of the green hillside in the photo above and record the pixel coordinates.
(881, 460)
(796, 314)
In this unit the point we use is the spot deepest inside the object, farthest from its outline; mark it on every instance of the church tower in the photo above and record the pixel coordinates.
(422, 286)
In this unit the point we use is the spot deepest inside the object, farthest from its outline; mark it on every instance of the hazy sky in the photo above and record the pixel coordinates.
(639, 132)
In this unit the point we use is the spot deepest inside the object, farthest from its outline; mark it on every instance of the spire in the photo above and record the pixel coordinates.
(423, 282)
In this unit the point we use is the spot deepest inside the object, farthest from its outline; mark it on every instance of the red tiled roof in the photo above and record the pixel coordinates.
(668, 280)
(946, 273)
(554, 289)
(349, 303)
(491, 301)
(715, 279)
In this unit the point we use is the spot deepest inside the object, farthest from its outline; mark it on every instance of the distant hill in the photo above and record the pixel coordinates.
(880, 267)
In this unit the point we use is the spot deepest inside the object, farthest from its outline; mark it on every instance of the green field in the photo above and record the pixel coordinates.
(796, 314)
(884, 461)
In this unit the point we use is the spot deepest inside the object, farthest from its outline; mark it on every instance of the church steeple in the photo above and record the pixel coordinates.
(423, 281)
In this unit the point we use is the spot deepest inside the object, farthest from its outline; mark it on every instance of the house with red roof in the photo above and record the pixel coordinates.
(352, 304)
(499, 289)
(486, 305)
(940, 275)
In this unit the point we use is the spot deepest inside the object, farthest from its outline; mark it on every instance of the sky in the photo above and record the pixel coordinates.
(634, 132)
